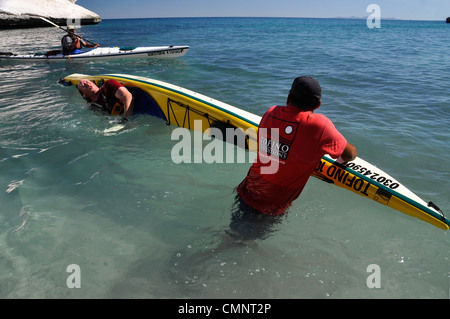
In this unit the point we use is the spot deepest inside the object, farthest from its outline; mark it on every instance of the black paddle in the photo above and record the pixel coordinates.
(79, 36)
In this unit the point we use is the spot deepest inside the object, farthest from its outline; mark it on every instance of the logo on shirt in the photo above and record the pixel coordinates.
(277, 140)
(288, 130)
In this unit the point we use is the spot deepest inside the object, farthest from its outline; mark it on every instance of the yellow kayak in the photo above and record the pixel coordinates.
(185, 108)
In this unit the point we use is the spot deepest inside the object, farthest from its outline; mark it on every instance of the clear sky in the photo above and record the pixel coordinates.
(400, 9)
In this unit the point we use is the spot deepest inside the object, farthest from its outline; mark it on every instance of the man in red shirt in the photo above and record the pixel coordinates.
(291, 141)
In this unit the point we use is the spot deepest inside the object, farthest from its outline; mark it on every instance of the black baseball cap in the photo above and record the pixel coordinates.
(306, 90)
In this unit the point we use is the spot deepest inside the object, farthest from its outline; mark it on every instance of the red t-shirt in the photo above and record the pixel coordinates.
(108, 95)
(290, 146)
(110, 88)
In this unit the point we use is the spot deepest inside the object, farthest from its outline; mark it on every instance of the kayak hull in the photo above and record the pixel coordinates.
(103, 53)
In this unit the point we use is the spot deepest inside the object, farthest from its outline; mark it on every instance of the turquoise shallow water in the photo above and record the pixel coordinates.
(140, 226)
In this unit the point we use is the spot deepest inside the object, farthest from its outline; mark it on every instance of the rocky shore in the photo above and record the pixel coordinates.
(25, 14)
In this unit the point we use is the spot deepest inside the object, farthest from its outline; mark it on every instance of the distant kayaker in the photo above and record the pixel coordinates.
(111, 97)
(72, 44)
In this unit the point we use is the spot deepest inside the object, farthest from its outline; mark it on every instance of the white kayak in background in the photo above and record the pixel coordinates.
(101, 53)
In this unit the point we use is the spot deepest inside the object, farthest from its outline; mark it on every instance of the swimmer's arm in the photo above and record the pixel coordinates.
(126, 98)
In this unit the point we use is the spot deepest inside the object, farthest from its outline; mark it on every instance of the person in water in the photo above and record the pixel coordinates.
(295, 138)
(72, 44)
(112, 97)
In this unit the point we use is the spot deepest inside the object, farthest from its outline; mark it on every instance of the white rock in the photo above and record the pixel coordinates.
(22, 13)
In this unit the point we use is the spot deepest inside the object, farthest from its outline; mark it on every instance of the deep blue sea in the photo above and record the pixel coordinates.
(137, 225)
